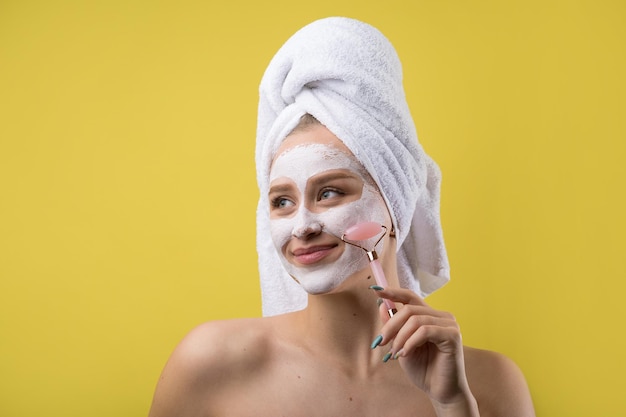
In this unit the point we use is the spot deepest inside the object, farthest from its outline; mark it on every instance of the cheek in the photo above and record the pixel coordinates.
(280, 230)
(369, 208)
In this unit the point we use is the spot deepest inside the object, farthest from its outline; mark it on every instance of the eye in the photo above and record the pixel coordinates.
(328, 193)
(281, 203)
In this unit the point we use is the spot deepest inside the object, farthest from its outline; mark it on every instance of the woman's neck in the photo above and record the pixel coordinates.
(343, 325)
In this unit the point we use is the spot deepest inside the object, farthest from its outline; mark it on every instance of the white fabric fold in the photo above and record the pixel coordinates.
(348, 76)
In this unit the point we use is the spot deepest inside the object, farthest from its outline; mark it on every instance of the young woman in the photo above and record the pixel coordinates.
(336, 148)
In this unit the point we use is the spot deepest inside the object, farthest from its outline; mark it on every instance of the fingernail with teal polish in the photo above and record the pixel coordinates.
(387, 357)
(398, 354)
(379, 302)
(376, 287)
(377, 341)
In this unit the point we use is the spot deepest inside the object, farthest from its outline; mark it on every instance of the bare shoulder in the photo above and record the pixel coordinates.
(224, 344)
(211, 358)
(497, 383)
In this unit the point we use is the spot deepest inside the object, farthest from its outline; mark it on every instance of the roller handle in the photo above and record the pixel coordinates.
(379, 276)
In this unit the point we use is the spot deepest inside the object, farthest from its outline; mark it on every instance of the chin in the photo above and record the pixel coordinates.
(316, 285)
(327, 278)
(317, 289)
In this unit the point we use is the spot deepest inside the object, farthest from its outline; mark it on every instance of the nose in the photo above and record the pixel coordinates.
(307, 224)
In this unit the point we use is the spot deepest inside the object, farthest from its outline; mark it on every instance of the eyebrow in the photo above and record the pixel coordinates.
(333, 175)
(280, 188)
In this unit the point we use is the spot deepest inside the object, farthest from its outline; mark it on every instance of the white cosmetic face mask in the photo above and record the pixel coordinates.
(299, 164)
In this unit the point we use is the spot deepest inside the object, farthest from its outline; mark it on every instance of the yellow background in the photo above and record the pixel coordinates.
(127, 189)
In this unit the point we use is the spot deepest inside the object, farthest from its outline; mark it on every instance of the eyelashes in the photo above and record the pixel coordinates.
(328, 193)
(281, 202)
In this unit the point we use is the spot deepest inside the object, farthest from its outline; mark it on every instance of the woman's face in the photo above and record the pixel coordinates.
(317, 190)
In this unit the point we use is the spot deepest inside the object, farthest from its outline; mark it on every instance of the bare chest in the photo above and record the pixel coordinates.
(305, 390)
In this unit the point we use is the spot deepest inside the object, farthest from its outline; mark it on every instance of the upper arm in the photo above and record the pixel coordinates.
(207, 365)
(191, 376)
(498, 385)
(181, 378)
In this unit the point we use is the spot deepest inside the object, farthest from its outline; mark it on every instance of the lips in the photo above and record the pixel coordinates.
(313, 254)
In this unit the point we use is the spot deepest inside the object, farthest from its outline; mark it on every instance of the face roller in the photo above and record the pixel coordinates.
(364, 231)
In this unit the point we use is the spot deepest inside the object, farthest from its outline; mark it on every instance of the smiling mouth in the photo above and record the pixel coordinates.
(308, 256)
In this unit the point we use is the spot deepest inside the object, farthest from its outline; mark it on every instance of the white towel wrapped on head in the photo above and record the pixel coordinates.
(348, 76)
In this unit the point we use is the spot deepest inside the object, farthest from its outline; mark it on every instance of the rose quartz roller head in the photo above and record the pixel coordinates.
(364, 231)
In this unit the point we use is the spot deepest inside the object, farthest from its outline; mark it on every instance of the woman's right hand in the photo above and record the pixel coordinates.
(428, 345)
